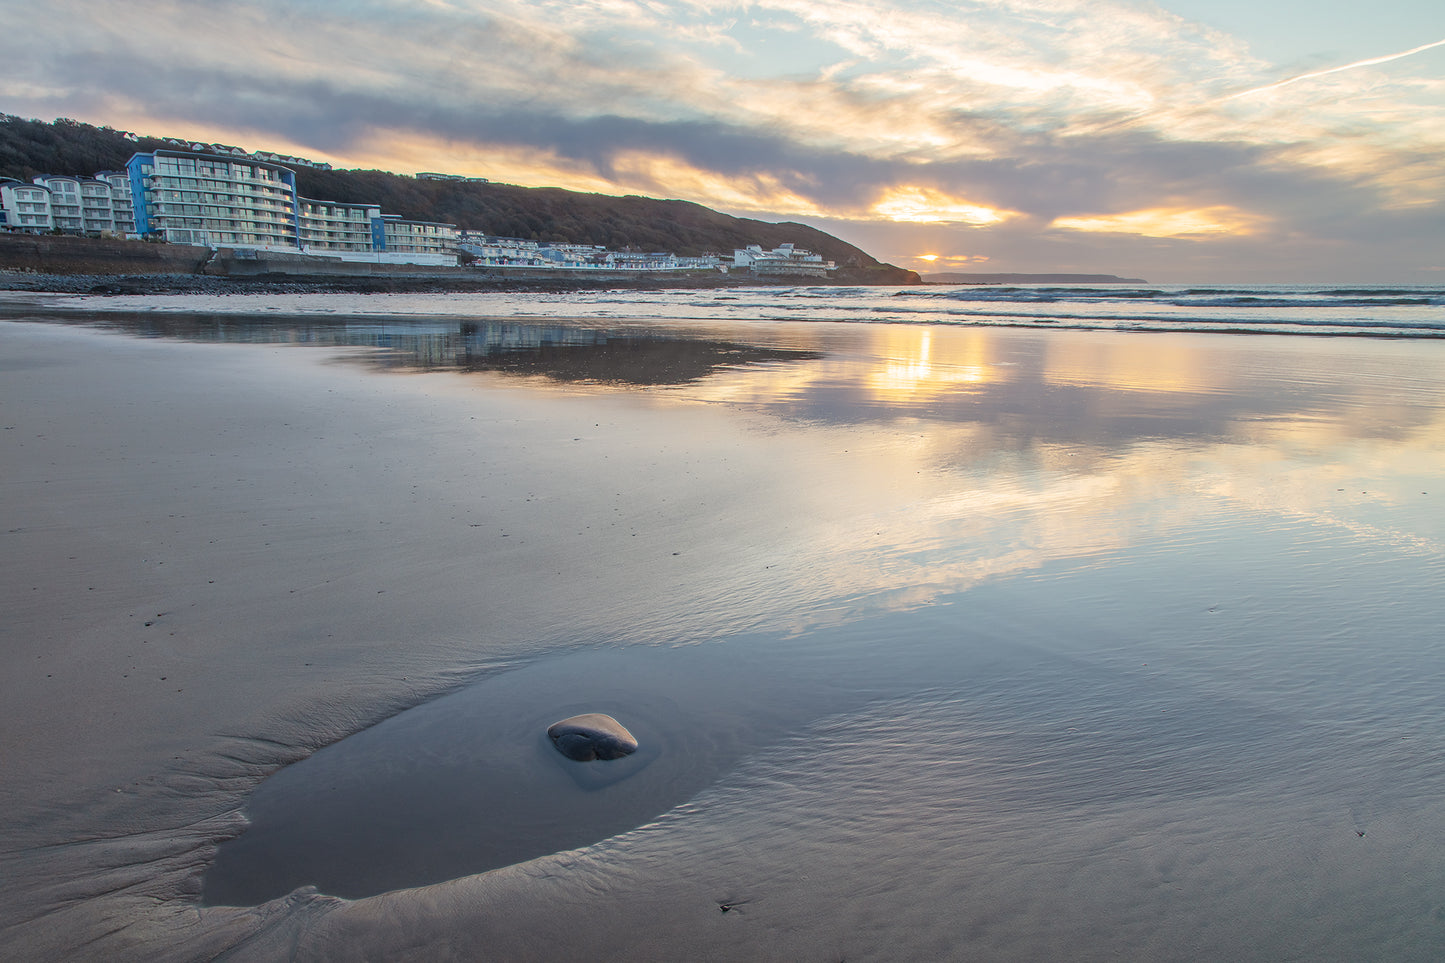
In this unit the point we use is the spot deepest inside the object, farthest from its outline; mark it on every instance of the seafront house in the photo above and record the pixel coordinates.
(64, 202)
(417, 239)
(121, 205)
(785, 259)
(97, 207)
(328, 226)
(79, 205)
(25, 207)
(491, 251)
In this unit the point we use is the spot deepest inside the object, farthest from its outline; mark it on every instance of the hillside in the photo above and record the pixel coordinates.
(30, 147)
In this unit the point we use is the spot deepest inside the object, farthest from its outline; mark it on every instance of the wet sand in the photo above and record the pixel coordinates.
(220, 558)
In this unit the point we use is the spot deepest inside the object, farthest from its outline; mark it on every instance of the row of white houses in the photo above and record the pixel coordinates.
(784, 260)
(219, 201)
(72, 205)
(491, 251)
(225, 200)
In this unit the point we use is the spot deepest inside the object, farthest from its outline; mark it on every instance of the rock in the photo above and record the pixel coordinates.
(591, 736)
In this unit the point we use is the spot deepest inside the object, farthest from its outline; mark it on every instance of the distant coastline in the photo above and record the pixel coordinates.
(962, 278)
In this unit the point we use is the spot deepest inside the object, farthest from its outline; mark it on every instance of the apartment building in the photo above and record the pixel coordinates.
(216, 201)
(86, 205)
(331, 226)
(224, 200)
(65, 207)
(97, 210)
(25, 207)
(122, 207)
(401, 236)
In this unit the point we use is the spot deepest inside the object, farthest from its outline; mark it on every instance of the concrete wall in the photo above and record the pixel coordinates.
(61, 254)
(243, 264)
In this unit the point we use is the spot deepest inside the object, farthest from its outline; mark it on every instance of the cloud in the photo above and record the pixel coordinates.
(1005, 118)
(1167, 222)
(921, 205)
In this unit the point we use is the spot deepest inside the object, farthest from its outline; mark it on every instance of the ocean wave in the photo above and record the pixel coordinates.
(1052, 294)
(1197, 326)
(1305, 298)
(1170, 320)
(1336, 302)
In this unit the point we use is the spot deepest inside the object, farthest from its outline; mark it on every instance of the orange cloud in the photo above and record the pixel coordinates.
(921, 205)
(1220, 219)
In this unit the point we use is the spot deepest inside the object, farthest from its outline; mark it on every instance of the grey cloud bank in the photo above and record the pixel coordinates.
(1304, 190)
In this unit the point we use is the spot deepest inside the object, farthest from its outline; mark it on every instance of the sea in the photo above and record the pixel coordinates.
(1405, 310)
(1067, 623)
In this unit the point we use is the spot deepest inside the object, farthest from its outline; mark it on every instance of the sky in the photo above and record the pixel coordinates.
(1206, 141)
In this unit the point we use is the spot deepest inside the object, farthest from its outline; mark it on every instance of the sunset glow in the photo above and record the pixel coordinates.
(922, 206)
(1165, 222)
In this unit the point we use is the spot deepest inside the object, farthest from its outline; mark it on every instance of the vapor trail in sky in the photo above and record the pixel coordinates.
(1334, 70)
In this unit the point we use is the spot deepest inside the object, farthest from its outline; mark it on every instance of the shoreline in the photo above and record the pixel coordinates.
(160, 284)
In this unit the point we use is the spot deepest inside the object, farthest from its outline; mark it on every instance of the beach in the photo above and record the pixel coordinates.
(939, 642)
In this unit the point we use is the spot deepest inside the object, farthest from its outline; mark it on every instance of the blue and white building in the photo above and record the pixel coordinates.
(225, 200)
(215, 201)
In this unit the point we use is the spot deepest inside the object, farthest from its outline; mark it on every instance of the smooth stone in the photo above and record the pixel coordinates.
(593, 735)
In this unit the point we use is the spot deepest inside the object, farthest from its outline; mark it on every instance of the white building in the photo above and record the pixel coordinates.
(491, 251)
(65, 210)
(500, 251)
(784, 259)
(81, 205)
(121, 205)
(430, 239)
(97, 207)
(330, 226)
(25, 207)
(631, 261)
(460, 178)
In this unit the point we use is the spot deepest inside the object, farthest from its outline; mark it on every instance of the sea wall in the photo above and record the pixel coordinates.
(64, 254)
(251, 264)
